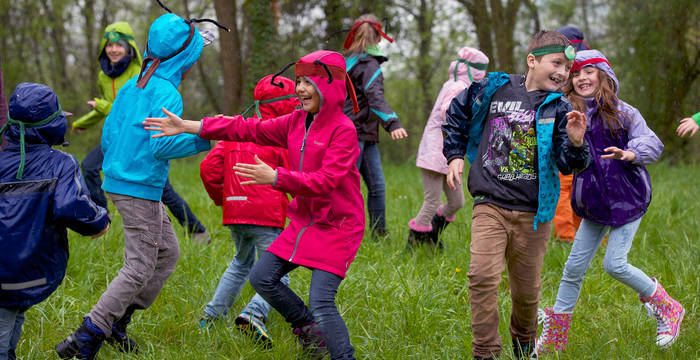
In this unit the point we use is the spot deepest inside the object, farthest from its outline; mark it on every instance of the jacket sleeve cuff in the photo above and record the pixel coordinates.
(202, 144)
(696, 117)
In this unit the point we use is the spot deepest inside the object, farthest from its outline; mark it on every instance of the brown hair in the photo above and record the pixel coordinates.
(365, 36)
(546, 38)
(608, 103)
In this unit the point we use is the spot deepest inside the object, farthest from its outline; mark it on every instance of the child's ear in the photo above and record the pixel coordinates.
(531, 61)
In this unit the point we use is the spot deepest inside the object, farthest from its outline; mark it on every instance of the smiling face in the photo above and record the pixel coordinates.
(308, 96)
(115, 52)
(586, 82)
(548, 73)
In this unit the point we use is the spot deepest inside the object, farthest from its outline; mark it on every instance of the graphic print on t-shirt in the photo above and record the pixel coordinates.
(512, 153)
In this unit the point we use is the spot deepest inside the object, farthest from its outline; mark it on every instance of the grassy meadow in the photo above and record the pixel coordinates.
(397, 304)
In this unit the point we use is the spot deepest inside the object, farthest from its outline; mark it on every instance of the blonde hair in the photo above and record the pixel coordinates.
(365, 36)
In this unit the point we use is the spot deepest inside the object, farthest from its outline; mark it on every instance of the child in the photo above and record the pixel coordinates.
(432, 218)
(689, 126)
(326, 217)
(363, 58)
(254, 214)
(120, 60)
(41, 194)
(565, 221)
(513, 128)
(612, 196)
(151, 248)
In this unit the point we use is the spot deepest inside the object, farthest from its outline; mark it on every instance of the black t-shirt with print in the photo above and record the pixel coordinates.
(505, 170)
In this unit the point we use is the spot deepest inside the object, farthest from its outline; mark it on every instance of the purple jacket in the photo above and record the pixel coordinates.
(614, 192)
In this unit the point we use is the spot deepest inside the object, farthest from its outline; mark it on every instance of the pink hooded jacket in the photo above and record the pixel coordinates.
(327, 217)
(430, 149)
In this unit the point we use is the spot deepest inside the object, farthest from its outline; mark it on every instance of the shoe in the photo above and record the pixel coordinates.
(253, 325)
(84, 343)
(668, 313)
(201, 237)
(555, 331)
(311, 339)
(206, 322)
(439, 224)
(524, 351)
(119, 338)
(417, 234)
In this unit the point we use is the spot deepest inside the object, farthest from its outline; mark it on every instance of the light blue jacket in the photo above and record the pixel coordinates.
(135, 164)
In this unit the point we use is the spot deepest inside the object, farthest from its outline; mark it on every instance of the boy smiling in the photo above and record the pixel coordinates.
(514, 130)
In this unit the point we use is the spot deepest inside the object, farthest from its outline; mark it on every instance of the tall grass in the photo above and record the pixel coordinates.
(397, 304)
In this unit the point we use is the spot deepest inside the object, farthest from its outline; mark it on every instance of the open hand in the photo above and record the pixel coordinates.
(576, 127)
(259, 173)
(171, 125)
(92, 103)
(399, 133)
(618, 154)
(688, 126)
(454, 173)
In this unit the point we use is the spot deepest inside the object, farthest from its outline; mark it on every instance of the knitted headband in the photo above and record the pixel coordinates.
(578, 65)
(568, 51)
(376, 25)
(321, 69)
(114, 36)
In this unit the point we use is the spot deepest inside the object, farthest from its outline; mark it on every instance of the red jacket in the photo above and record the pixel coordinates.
(250, 204)
(327, 217)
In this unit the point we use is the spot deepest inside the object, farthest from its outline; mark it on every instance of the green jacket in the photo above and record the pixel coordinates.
(110, 86)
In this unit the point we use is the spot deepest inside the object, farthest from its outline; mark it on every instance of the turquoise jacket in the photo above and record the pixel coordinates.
(135, 164)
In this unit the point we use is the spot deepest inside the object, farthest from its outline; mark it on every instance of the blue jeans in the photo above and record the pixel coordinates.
(265, 279)
(586, 243)
(247, 239)
(370, 166)
(11, 321)
(91, 167)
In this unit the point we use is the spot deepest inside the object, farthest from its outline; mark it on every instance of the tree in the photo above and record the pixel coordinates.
(231, 54)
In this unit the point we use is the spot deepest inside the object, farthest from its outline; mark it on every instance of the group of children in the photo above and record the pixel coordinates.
(518, 131)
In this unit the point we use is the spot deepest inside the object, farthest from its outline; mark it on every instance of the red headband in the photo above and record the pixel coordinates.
(576, 41)
(376, 25)
(335, 72)
(580, 64)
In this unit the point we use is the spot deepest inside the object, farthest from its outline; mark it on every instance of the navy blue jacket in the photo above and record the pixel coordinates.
(35, 212)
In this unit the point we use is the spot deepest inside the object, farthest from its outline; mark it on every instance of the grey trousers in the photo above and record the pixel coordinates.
(434, 184)
(151, 251)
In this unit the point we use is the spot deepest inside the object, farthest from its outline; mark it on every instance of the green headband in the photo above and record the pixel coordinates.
(257, 103)
(23, 125)
(478, 66)
(114, 36)
(568, 51)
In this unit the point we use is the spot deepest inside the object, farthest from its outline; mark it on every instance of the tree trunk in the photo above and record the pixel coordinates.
(230, 54)
(88, 12)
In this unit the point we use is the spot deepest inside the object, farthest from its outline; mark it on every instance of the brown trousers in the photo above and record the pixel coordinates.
(151, 251)
(503, 237)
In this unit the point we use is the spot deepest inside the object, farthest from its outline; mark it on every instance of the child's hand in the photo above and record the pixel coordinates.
(454, 172)
(687, 126)
(171, 125)
(619, 154)
(260, 173)
(399, 133)
(101, 232)
(92, 103)
(576, 127)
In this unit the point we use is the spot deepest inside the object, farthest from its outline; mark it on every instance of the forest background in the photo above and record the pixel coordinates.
(654, 47)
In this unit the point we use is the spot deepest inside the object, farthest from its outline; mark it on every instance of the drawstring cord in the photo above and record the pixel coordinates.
(22, 125)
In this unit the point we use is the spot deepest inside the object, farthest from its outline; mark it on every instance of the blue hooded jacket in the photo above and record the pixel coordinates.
(135, 164)
(36, 209)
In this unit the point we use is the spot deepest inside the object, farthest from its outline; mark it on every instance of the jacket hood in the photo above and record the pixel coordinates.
(469, 61)
(597, 59)
(265, 90)
(575, 36)
(167, 35)
(332, 90)
(30, 104)
(121, 27)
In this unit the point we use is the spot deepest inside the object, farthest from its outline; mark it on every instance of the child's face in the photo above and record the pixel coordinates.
(308, 96)
(549, 73)
(115, 52)
(586, 82)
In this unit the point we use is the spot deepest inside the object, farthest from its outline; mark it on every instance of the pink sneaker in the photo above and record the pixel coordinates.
(668, 313)
(555, 332)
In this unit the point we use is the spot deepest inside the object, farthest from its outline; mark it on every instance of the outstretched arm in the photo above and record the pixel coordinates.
(171, 125)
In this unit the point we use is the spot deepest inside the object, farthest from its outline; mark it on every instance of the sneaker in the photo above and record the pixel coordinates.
(206, 322)
(555, 331)
(311, 339)
(254, 326)
(84, 343)
(201, 237)
(524, 350)
(668, 313)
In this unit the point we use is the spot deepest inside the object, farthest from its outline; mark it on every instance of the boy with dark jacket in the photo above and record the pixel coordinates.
(41, 194)
(514, 130)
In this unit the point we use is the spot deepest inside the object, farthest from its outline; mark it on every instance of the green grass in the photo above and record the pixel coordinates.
(397, 304)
